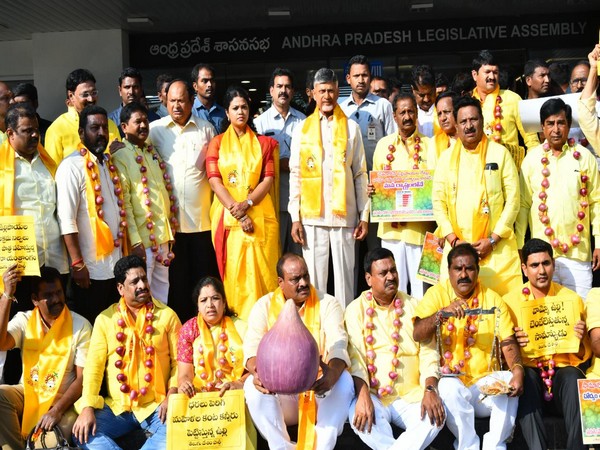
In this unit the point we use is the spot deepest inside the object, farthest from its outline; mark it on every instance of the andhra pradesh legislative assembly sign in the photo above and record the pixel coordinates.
(402, 195)
(589, 407)
(207, 421)
(18, 246)
(549, 324)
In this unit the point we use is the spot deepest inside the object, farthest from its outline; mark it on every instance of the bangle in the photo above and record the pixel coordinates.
(243, 218)
(517, 365)
(79, 269)
(454, 241)
(76, 262)
(9, 297)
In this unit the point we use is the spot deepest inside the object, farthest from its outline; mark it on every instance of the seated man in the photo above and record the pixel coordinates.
(380, 335)
(54, 343)
(472, 324)
(133, 346)
(561, 370)
(334, 392)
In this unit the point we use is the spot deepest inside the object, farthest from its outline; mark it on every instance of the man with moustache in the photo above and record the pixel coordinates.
(27, 93)
(279, 122)
(407, 395)
(181, 139)
(328, 189)
(331, 394)
(410, 150)
(379, 87)
(62, 137)
(134, 349)
(560, 199)
(54, 343)
(91, 215)
(502, 122)
(465, 318)
(562, 369)
(537, 78)
(424, 90)
(579, 76)
(476, 199)
(445, 137)
(205, 107)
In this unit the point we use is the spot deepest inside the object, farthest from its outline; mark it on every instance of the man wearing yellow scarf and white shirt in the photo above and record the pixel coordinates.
(54, 343)
(476, 199)
(133, 348)
(328, 189)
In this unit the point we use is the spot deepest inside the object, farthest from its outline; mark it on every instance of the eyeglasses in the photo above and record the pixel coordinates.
(579, 81)
(89, 94)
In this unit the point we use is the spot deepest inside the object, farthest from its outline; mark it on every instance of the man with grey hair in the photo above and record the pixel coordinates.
(328, 189)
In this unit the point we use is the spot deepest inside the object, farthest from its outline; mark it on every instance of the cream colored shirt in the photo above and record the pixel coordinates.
(357, 201)
(35, 195)
(588, 121)
(184, 151)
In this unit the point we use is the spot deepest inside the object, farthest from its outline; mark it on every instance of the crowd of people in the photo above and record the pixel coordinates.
(197, 214)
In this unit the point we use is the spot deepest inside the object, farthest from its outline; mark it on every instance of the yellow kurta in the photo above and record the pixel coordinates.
(563, 199)
(500, 271)
(479, 365)
(409, 232)
(515, 298)
(592, 307)
(417, 361)
(588, 121)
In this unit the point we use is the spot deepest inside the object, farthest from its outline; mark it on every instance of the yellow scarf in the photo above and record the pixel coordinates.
(442, 142)
(135, 354)
(311, 164)
(307, 405)
(480, 218)
(45, 358)
(235, 358)
(103, 237)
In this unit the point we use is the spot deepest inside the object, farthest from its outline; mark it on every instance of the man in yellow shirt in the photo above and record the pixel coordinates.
(406, 150)
(500, 108)
(445, 136)
(560, 370)
(149, 203)
(472, 325)
(560, 199)
(380, 336)
(476, 199)
(588, 117)
(6, 96)
(62, 137)
(134, 348)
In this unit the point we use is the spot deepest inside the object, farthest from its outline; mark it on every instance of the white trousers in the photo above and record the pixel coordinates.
(463, 405)
(418, 435)
(573, 274)
(272, 413)
(407, 257)
(316, 253)
(158, 274)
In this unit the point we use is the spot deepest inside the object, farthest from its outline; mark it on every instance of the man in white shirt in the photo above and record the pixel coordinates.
(279, 122)
(423, 87)
(182, 139)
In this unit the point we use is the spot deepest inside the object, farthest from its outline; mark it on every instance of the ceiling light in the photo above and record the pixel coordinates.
(246, 81)
(252, 90)
(421, 5)
(279, 12)
(140, 20)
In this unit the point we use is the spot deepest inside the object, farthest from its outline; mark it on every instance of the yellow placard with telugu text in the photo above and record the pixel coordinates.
(207, 421)
(18, 245)
(549, 322)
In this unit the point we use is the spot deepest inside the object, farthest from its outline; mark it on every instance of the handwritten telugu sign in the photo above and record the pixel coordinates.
(589, 407)
(402, 196)
(17, 245)
(207, 421)
(549, 324)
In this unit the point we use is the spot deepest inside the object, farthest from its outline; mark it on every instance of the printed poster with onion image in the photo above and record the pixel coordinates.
(589, 407)
(402, 195)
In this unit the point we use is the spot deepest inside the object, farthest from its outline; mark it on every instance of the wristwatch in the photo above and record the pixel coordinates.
(493, 242)
(432, 388)
(250, 202)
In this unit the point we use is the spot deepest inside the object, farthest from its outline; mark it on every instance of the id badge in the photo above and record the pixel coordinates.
(371, 132)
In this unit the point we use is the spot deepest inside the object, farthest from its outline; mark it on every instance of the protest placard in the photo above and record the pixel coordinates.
(18, 245)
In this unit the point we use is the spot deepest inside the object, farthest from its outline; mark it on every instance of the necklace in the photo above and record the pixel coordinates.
(94, 174)
(470, 331)
(416, 157)
(147, 203)
(497, 124)
(543, 208)
(148, 349)
(370, 340)
(221, 358)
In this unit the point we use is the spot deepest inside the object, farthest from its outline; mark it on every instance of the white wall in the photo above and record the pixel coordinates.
(54, 55)
(16, 62)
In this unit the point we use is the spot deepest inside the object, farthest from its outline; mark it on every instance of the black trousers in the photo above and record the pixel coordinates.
(194, 258)
(92, 301)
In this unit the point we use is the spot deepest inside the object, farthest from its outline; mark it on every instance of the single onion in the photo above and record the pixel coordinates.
(287, 359)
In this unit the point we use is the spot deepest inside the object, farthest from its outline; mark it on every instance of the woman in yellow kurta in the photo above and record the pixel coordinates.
(209, 348)
(241, 169)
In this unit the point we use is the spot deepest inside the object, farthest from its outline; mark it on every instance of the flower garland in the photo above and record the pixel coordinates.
(147, 203)
(543, 208)
(149, 350)
(221, 359)
(497, 124)
(545, 374)
(94, 174)
(469, 341)
(370, 340)
(416, 157)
